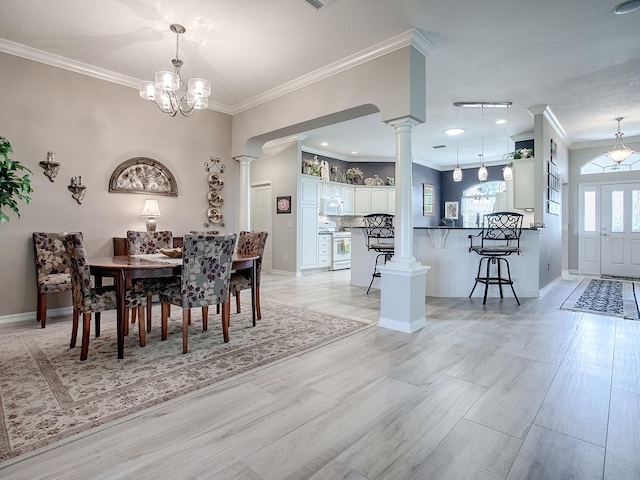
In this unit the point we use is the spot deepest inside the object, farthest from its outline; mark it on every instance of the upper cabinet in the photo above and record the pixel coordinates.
(309, 190)
(374, 200)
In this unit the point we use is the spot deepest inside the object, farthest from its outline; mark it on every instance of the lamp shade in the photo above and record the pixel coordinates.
(482, 173)
(457, 174)
(151, 208)
(507, 173)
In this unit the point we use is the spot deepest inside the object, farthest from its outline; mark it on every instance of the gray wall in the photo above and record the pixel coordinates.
(93, 126)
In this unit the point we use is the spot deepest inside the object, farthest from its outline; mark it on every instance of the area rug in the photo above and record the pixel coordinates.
(606, 297)
(48, 394)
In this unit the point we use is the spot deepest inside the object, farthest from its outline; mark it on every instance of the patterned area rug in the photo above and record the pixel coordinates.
(47, 393)
(606, 297)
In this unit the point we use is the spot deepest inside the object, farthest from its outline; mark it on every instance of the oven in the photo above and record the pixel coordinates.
(340, 250)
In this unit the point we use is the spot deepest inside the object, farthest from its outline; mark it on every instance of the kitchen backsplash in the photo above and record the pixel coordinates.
(344, 221)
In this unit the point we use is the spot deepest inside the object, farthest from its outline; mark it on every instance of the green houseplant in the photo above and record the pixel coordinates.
(13, 185)
(518, 154)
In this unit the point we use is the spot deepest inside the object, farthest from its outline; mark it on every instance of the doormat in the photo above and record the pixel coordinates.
(614, 298)
(613, 277)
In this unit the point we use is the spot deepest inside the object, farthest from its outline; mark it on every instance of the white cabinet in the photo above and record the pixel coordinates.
(363, 200)
(324, 251)
(524, 183)
(331, 190)
(379, 200)
(391, 201)
(308, 224)
(348, 200)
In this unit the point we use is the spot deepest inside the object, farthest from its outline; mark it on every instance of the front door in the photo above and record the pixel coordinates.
(620, 230)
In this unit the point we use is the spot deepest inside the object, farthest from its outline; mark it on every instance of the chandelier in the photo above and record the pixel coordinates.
(619, 152)
(166, 92)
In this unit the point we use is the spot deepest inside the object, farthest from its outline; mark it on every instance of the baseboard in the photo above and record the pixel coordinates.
(31, 316)
(549, 286)
(285, 272)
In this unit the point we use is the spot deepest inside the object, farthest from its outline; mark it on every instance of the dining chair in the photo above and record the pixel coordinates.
(52, 270)
(206, 272)
(249, 243)
(88, 299)
(145, 243)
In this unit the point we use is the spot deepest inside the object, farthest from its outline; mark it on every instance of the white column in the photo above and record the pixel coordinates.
(403, 280)
(244, 207)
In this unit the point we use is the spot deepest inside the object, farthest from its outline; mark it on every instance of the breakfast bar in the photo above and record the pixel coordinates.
(453, 267)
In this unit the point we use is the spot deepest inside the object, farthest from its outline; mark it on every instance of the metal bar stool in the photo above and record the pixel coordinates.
(380, 238)
(499, 238)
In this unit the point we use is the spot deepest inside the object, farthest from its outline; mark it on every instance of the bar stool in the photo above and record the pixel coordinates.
(380, 238)
(499, 238)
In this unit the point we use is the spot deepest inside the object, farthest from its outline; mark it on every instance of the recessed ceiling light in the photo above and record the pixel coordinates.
(353, 152)
(627, 7)
(502, 121)
(324, 144)
(454, 131)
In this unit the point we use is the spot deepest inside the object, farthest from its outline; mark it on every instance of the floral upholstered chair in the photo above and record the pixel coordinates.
(145, 243)
(249, 243)
(87, 299)
(206, 270)
(52, 270)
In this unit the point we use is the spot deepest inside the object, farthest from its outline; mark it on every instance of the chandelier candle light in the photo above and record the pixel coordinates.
(165, 91)
(619, 153)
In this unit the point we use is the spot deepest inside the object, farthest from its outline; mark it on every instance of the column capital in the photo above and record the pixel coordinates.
(404, 122)
(244, 159)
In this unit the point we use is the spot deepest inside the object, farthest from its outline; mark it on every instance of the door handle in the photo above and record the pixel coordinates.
(604, 234)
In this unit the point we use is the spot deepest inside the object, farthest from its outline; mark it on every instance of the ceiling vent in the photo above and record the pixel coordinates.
(319, 3)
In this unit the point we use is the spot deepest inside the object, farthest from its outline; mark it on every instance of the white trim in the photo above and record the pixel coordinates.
(317, 151)
(410, 37)
(549, 286)
(31, 316)
(546, 111)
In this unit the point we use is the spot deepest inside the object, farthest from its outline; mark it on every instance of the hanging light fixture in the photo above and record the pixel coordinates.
(619, 152)
(482, 172)
(507, 171)
(166, 91)
(457, 173)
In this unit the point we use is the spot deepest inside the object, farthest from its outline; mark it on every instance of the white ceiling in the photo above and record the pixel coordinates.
(575, 56)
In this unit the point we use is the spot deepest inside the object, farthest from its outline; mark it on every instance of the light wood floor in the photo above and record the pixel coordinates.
(483, 392)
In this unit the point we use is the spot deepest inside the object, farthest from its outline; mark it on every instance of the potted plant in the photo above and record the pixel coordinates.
(13, 186)
(355, 175)
(518, 154)
(311, 167)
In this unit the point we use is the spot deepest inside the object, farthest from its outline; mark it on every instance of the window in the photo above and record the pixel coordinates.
(589, 211)
(603, 164)
(479, 200)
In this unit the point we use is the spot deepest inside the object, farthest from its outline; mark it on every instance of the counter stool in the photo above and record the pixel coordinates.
(380, 238)
(499, 238)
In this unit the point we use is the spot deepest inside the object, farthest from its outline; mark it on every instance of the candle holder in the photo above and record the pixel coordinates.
(77, 189)
(51, 167)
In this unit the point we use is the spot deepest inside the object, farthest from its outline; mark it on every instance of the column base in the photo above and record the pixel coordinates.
(402, 297)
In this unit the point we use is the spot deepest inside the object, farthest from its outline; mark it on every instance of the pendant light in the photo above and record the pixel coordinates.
(482, 172)
(619, 152)
(457, 173)
(507, 171)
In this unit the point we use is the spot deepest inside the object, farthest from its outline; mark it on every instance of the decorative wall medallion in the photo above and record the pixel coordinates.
(143, 175)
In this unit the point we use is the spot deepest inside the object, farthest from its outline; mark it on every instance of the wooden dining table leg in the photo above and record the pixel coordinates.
(120, 316)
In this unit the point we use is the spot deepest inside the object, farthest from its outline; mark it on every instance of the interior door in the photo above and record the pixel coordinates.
(620, 230)
(261, 218)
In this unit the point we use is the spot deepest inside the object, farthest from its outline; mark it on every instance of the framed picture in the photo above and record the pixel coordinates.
(428, 200)
(451, 210)
(283, 204)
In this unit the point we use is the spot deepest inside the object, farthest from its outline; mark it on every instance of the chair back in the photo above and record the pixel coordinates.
(79, 269)
(206, 269)
(501, 229)
(50, 254)
(379, 231)
(145, 243)
(253, 243)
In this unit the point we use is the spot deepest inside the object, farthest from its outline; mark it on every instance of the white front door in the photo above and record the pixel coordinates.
(620, 230)
(589, 230)
(261, 218)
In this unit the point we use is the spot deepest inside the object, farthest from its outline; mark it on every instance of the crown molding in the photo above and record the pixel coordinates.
(522, 137)
(603, 143)
(317, 151)
(548, 114)
(410, 37)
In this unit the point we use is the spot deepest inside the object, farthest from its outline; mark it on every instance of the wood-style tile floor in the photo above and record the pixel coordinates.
(483, 392)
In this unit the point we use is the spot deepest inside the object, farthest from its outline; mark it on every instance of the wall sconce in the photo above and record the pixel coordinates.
(77, 189)
(150, 210)
(51, 167)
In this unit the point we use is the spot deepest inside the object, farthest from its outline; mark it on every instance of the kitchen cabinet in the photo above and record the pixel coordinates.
(362, 200)
(332, 190)
(379, 200)
(348, 200)
(524, 183)
(391, 201)
(308, 224)
(374, 200)
(324, 251)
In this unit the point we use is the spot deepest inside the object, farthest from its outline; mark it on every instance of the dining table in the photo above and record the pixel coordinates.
(123, 267)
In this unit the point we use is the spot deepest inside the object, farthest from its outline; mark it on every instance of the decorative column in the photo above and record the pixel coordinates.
(403, 281)
(244, 208)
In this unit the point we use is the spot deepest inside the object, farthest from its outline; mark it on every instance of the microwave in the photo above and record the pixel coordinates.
(330, 206)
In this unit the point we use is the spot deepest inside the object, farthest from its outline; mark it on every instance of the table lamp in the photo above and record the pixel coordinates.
(150, 210)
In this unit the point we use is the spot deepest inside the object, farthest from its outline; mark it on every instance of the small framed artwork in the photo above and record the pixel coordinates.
(428, 200)
(451, 210)
(283, 204)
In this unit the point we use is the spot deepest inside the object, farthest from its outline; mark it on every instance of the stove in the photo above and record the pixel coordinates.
(340, 245)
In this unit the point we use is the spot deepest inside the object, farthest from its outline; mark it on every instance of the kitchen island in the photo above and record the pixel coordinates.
(453, 267)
